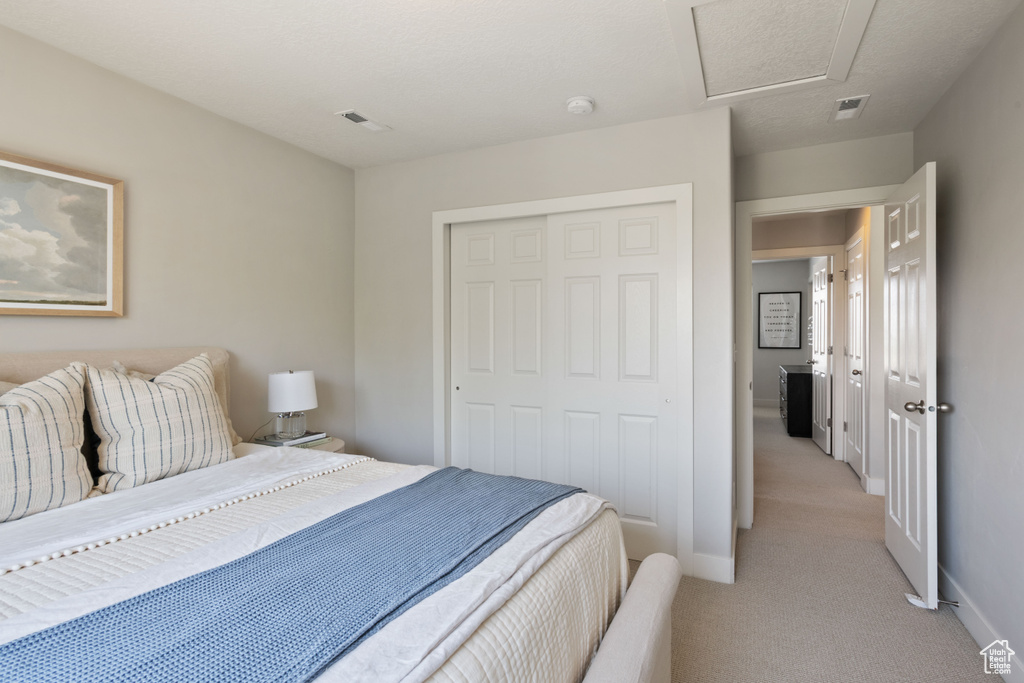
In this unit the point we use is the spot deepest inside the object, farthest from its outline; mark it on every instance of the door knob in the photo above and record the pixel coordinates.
(943, 408)
(910, 406)
(856, 372)
(811, 362)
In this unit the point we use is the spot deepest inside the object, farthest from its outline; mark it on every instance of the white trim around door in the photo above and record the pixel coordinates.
(682, 196)
(744, 376)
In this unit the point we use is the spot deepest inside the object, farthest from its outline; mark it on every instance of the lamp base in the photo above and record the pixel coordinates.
(290, 425)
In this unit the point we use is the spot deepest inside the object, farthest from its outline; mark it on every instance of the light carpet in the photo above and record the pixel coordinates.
(817, 596)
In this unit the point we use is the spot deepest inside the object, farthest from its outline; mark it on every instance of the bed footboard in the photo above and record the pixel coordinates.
(638, 645)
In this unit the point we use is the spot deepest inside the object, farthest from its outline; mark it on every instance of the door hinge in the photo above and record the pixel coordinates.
(828, 422)
(830, 350)
(844, 426)
(831, 277)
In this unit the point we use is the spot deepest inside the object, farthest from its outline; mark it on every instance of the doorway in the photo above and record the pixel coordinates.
(804, 252)
(746, 212)
(905, 250)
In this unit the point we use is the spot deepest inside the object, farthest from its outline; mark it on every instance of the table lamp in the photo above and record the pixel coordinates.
(289, 394)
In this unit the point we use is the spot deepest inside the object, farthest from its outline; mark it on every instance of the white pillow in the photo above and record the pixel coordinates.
(138, 374)
(152, 430)
(41, 432)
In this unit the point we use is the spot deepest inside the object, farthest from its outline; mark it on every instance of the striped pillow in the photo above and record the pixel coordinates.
(152, 430)
(41, 464)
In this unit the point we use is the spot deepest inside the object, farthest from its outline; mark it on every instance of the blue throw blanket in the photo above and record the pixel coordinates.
(287, 611)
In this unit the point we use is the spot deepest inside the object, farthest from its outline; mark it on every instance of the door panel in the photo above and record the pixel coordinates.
(563, 362)
(856, 367)
(910, 361)
(583, 327)
(821, 358)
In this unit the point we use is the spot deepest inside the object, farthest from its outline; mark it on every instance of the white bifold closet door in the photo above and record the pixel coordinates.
(563, 357)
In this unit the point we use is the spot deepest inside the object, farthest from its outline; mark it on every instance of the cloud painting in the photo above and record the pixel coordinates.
(54, 233)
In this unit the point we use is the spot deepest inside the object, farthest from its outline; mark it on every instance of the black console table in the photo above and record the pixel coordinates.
(795, 399)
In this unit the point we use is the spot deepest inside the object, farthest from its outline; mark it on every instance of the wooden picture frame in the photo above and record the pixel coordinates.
(61, 240)
(779, 315)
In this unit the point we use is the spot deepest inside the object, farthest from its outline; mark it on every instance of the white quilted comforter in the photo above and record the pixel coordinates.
(535, 610)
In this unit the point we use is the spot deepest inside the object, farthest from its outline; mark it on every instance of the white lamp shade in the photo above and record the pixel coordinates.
(291, 392)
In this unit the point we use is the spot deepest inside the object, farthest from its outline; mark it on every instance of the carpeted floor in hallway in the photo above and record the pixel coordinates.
(817, 596)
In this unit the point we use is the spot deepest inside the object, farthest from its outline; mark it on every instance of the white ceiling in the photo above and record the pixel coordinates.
(450, 74)
(751, 43)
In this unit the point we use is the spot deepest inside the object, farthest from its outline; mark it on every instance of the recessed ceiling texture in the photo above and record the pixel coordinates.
(448, 75)
(754, 43)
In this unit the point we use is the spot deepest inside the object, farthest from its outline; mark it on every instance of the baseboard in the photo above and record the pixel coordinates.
(766, 403)
(715, 567)
(977, 625)
(873, 485)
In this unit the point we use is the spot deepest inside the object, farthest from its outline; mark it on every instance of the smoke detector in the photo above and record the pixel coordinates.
(580, 105)
(848, 108)
(355, 117)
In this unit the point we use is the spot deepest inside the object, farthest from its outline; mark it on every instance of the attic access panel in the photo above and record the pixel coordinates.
(734, 50)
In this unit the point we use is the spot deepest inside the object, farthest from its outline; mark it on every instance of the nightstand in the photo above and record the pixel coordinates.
(335, 445)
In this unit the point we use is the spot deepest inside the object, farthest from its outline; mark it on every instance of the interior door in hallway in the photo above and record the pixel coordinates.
(821, 353)
(910, 391)
(563, 357)
(853, 423)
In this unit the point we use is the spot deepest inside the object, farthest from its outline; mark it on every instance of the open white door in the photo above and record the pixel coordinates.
(855, 347)
(910, 392)
(821, 352)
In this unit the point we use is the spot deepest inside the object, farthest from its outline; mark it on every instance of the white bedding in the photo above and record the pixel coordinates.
(107, 516)
(455, 625)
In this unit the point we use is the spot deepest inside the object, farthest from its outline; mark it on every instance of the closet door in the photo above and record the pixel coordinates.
(563, 357)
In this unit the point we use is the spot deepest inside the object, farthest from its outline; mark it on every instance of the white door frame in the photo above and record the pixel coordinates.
(743, 395)
(682, 196)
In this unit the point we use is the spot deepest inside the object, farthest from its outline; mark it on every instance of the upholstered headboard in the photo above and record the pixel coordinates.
(19, 368)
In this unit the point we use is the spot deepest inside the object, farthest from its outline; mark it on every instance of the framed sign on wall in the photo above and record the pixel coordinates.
(778, 315)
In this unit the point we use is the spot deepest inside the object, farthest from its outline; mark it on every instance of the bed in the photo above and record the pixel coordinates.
(549, 603)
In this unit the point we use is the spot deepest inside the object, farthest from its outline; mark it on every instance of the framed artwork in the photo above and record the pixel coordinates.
(779, 317)
(60, 240)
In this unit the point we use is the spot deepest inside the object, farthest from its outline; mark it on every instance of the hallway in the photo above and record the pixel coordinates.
(817, 596)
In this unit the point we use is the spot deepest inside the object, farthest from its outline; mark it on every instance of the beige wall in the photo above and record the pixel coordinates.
(232, 238)
(814, 230)
(976, 135)
(854, 220)
(884, 160)
(394, 204)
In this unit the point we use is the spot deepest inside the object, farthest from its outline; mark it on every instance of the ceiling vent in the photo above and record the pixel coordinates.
(355, 117)
(848, 108)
